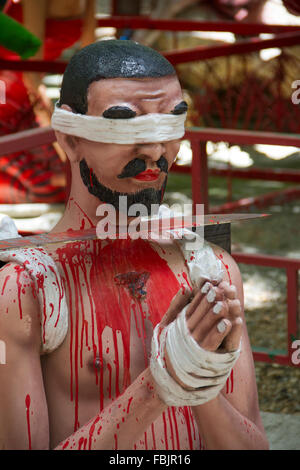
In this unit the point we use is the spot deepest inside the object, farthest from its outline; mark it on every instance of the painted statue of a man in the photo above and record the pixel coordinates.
(125, 343)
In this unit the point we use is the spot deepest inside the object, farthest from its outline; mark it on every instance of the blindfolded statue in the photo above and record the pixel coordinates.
(123, 344)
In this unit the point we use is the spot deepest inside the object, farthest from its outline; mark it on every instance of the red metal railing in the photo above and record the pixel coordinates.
(292, 267)
(175, 57)
(143, 22)
(199, 169)
(286, 36)
(260, 103)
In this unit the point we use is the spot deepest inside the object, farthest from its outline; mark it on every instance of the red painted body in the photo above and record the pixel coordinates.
(27, 404)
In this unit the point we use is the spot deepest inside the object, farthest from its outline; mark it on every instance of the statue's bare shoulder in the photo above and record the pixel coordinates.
(19, 306)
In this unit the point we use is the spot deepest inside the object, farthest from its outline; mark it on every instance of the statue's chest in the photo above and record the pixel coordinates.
(116, 295)
(118, 292)
(129, 278)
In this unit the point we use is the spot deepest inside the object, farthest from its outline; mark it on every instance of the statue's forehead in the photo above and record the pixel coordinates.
(107, 92)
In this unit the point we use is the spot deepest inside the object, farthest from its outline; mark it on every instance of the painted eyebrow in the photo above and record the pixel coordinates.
(123, 112)
(180, 108)
(119, 112)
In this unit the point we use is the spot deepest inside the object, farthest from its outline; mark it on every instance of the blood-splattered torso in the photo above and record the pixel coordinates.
(117, 292)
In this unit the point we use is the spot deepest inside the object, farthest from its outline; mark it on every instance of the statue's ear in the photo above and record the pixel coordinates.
(69, 144)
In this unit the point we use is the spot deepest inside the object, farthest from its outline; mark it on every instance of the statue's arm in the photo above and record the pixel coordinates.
(24, 420)
(121, 423)
(23, 406)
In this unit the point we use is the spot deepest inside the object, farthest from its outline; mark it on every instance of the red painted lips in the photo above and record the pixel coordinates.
(148, 175)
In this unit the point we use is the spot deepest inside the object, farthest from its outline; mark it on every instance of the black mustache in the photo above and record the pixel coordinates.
(136, 166)
(133, 168)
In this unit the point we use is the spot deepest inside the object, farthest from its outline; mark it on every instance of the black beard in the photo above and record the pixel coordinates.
(147, 196)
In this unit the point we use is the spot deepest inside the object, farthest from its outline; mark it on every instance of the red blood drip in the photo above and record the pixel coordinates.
(86, 333)
(27, 404)
(52, 309)
(226, 267)
(71, 326)
(82, 224)
(129, 401)
(60, 290)
(94, 362)
(84, 271)
(83, 316)
(153, 436)
(66, 444)
(200, 442)
(80, 443)
(136, 320)
(92, 225)
(76, 347)
(143, 336)
(231, 375)
(165, 430)
(171, 427)
(185, 412)
(184, 275)
(91, 431)
(193, 423)
(110, 373)
(40, 264)
(4, 284)
(229, 383)
(116, 362)
(40, 285)
(176, 428)
(19, 270)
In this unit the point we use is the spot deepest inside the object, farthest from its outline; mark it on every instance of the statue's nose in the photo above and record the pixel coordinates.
(151, 152)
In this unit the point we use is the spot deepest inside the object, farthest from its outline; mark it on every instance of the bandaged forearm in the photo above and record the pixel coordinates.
(204, 371)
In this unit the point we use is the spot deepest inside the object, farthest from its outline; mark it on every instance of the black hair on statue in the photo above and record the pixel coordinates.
(109, 59)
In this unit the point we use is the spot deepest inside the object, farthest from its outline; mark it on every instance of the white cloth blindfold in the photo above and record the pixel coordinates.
(148, 128)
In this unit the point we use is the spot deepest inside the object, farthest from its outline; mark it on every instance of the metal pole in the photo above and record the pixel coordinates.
(199, 175)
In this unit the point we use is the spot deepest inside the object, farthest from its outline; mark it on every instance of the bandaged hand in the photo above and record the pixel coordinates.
(196, 345)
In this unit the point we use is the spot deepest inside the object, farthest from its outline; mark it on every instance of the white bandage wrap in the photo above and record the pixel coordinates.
(49, 286)
(148, 128)
(202, 262)
(205, 371)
